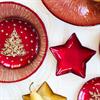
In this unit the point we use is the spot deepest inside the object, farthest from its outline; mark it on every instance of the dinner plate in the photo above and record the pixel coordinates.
(23, 42)
(19, 43)
(90, 90)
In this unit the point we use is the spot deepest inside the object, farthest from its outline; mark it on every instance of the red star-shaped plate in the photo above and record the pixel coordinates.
(72, 57)
(91, 90)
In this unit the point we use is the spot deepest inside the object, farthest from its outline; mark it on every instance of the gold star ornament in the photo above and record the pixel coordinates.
(43, 93)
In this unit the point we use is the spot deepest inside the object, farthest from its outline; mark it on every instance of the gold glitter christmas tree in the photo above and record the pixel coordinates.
(95, 95)
(13, 45)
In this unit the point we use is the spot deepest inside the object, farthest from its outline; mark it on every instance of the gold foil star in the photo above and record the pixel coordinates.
(26, 97)
(44, 93)
(32, 96)
(47, 94)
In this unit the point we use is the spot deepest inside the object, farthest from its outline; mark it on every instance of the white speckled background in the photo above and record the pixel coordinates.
(58, 33)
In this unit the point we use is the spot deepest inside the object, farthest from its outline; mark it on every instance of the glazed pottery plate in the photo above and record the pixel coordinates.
(23, 42)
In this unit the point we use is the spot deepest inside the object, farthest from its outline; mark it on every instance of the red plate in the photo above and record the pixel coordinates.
(19, 42)
(91, 90)
(17, 22)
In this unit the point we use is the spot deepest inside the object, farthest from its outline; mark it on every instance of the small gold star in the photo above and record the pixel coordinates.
(6, 57)
(6, 34)
(12, 61)
(20, 26)
(2, 61)
(32, 50)
(6, 21)
(31, 34)
(1, 24)
(8, 26)
(26, 44)
(21, 32)
(2, 31)
(33, 30)
(29, 61)
(19, 65)
(25, 22)
(31, 41)
(21, 59)
(26, 37)
(47, 94)
(14, 24)
(20, 21)
(25, 28)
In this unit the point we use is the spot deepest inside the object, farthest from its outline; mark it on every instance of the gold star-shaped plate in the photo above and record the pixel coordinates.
(46, 93)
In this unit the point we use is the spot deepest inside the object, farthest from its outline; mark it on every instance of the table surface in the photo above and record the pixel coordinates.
(58, 33)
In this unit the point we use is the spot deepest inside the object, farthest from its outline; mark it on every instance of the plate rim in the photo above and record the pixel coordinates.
(90, 80)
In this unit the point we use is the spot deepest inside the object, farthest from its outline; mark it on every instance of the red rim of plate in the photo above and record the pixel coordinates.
(45, 47)
(85, 85)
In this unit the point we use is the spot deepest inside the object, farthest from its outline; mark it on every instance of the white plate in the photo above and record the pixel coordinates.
(58, 33)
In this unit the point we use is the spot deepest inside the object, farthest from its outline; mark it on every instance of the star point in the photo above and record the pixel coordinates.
(46, 92)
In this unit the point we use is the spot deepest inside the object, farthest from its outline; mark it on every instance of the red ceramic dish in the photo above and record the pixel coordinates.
(91, 90)
(72, 57)
(19, 43)
(34, 42)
